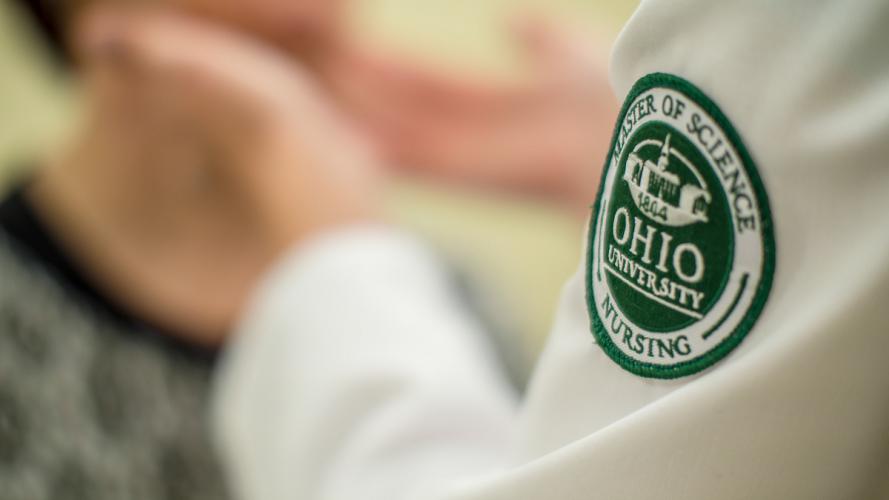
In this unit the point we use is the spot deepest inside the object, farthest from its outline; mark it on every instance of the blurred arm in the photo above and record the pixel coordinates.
(358, 374)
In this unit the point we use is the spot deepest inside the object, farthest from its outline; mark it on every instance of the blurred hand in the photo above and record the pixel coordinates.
(547, 135)
(206, 156)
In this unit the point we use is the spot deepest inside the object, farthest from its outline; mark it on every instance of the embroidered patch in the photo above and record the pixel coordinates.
(681, 248)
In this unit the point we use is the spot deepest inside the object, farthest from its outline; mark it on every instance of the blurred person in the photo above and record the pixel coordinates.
(356, 374)
(104, 363)
(140, 184)
(523, 136)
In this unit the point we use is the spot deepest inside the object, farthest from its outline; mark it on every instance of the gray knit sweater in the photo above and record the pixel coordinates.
(90, 408)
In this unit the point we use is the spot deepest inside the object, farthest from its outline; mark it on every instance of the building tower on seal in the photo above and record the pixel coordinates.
(685, 203)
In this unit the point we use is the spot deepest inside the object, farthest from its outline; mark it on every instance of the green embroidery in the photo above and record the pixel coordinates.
(681, 248)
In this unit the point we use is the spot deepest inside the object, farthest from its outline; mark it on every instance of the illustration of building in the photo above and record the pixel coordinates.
(685, 203)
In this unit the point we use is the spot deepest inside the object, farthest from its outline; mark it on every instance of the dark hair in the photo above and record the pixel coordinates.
(52, 18)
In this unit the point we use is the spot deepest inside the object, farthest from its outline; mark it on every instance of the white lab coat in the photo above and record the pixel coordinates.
(358, 375)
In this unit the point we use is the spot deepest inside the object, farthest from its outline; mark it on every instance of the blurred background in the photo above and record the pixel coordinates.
(106, 369)
(515, 249)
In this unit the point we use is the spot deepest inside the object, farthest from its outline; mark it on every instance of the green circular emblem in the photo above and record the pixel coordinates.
(681, 247)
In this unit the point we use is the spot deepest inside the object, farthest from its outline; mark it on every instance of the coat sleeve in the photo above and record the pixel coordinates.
(359, 374)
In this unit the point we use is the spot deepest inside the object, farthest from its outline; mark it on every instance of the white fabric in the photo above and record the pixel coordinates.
(357, 375)
(359, 371)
